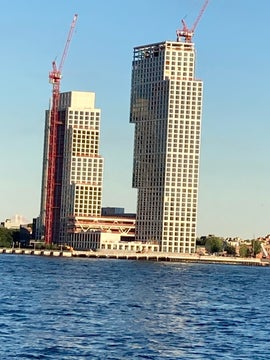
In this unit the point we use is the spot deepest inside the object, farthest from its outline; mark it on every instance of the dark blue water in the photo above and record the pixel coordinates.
(56, 308)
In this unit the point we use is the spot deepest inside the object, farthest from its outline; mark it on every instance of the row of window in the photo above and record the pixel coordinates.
(173, 55)
(180, 249)
(192, 180)
(91, 118)
(86, 180)
(89, 172)
(76, 112)
(85, 151)
(92, 124)
(85, 134)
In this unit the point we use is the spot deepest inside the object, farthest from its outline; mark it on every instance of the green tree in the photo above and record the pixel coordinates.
(214, 244)
(201, 241)
(256, 247)
(15, 237)
(6, 239)
(244, 250)
(230, 249)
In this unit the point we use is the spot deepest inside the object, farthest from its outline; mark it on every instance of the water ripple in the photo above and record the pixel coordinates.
(56, 308)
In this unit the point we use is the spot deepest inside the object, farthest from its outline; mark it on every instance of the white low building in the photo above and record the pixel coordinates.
(15, 222)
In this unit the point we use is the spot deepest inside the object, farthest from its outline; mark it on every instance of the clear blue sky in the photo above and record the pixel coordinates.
(233, 57)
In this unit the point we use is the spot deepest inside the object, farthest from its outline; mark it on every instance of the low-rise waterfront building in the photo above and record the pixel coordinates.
(90, 232)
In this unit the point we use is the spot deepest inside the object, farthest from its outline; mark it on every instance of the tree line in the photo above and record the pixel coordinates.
(7, 237)
(212, 244)
(217, 245)
(14, 237)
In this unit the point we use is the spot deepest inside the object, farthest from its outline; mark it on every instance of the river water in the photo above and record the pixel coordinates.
(61, 308)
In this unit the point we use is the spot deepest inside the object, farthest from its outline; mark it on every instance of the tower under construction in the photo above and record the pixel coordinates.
(166, 108)
(81, 166)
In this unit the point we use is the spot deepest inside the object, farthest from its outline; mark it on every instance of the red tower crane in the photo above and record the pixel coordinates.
(187, 33)
(55, 150)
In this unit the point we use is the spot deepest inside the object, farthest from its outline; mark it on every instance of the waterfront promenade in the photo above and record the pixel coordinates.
(147, 256)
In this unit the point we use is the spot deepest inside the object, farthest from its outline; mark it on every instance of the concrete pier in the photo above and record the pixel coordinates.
(148, 256)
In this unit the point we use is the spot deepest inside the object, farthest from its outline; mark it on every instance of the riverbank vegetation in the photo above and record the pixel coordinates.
(6, 237)
(220, 246)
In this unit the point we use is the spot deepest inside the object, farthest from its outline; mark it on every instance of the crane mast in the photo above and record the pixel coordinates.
(186, 33)
(55, 156)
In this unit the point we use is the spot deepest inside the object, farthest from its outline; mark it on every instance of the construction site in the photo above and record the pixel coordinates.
(72, 178)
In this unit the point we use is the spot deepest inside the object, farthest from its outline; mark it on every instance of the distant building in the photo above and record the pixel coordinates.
(166, 108)
(15, 222)
(116, 212)
(112, 211)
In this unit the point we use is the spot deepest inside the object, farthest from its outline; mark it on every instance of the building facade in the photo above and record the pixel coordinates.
(84, 233)
(81, 167)
(166, 108)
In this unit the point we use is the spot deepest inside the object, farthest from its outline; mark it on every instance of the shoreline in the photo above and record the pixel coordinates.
(148, 256)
